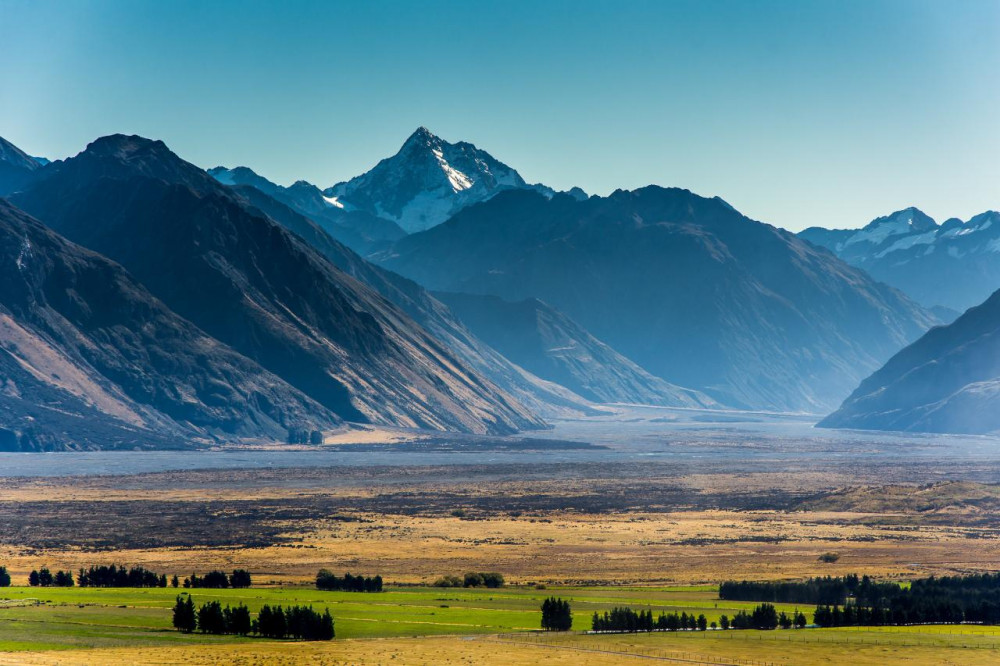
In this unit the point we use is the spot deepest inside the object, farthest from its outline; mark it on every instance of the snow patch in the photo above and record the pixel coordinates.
(24, 255)
(333, 201)
(459, 181)
(908, 242)
(881, 231)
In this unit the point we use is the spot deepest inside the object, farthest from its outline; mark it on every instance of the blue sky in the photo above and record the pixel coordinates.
(798, 113)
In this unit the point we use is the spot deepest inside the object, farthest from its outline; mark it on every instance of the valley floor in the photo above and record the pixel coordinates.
(655, 519)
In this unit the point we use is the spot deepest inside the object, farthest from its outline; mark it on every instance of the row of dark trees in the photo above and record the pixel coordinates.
(300, 436)
(219, 580)
(327, 580)
(45, 578)
(556, 615)
(764, 616)
(298, 622)
(852, 600)
(628, 620)
(923, 605)
(472, 579)
(115, 576)
(828, 590)
(4, 577)
(120, 576)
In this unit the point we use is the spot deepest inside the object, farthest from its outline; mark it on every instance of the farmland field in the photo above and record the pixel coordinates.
(53, 625)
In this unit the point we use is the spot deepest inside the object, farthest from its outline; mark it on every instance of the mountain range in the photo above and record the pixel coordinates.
(685, 286)
(955, 264)
(147, 303)
(247, 282)
(947, 381)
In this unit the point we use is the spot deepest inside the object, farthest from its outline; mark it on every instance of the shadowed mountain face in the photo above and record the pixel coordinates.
(358, 230)
(541, 396)
(246, 281)
(547, 343)
(90, 359)
(947, 381)
(17, 168)
(427, 182)
(687, 287)
(955, 264)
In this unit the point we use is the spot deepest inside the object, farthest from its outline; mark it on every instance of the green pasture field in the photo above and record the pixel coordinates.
(34, 618)
(68, 618)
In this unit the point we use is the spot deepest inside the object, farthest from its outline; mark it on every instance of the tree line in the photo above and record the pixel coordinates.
(828, 590)
(765, 617)
(45, 578)
(472, 579)
(625, 619)
(852, 600)
(115, 576)
(120, 576)
(298, 622)
(940, 600)
(4, 577)
(218, 580)
(327, 580)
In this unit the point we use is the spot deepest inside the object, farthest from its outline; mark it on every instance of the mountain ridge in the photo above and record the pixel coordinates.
(770, 322)
(947, 381)
(955, 264)
(246, 281)
(427, 181)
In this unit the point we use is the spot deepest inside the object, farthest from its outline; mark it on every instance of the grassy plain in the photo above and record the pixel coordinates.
(599, 537)
(446, 626)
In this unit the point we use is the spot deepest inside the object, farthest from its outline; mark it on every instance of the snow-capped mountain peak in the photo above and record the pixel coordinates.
(953, 264)
(427, 181)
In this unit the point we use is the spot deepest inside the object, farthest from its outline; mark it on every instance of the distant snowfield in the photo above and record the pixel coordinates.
(696, 440)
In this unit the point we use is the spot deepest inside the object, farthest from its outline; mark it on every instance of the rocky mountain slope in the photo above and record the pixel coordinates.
(955, 264)
(16, 167)
(541, 396)
(358, 230)
(251, 284)
(947, 381)
(549, 344)
(90, 359)
(687, 287)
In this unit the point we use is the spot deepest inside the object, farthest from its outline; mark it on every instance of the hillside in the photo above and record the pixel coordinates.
(249, 283)
(90, 359)
(947, 381)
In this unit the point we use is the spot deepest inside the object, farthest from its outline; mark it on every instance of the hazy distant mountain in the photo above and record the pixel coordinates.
(90, 359)
(687, 287)
(955, 264)
(246, 281)
(947, 381)
(549, 344)
(360, 231)
(541, 396)
(16, 167)
(428, 181)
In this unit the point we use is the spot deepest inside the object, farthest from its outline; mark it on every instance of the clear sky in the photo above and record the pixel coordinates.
(798, 113)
